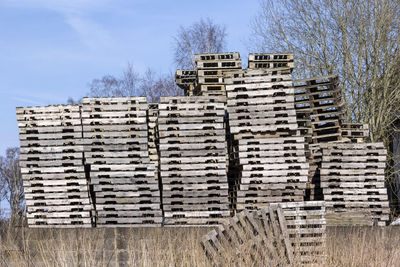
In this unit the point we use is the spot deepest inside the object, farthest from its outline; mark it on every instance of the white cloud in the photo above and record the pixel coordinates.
(91, 34)
(76, 15)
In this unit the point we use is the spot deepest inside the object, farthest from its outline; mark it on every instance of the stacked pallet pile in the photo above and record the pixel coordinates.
(279, 234)
(353, 180)
(51, 160)
(186, 80)
(116, 151)
(267, 148)
(211, 69)
(193, 167)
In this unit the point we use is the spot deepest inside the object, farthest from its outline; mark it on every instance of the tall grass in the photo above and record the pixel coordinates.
(366, 246)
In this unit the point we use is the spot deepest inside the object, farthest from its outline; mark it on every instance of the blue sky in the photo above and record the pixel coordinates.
(51, 49)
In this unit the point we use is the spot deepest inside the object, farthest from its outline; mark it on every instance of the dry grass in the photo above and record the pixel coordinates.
(172, 247)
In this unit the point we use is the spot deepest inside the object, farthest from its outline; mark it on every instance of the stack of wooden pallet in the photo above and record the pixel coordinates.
(319, 100)
(211, 69)
(193, 165)
(267, 148)
(280, 234)
(186, 80)
(51, 161)
(352, 179)
(275, 62)
(116, 151)
(355, 132)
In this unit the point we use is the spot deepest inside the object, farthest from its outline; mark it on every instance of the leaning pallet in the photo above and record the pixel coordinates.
(250, 238)
(279, 234)
(319, 101)
(51, 160)
(193, 167)
(306, 226)
(353, 180)
(116, 151)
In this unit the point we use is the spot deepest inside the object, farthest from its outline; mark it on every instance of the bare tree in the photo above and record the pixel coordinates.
(110, 86)
(71, 101)
(154, 86)
(12, 189)
(203, 36)
(359, 40)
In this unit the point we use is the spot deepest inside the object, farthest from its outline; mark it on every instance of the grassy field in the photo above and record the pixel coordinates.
(173, 247)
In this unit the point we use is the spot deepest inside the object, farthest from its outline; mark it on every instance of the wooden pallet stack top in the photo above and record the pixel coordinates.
(355, 132)
(186, 80)
(193, 160)
(123, 176)
(275, 61)
(353, 179)
(218, 61)
(319, 100)
(51, 161)
(211, 69)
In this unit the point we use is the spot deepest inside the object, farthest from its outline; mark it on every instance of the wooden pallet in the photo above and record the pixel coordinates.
(271, 61)
(218, 61)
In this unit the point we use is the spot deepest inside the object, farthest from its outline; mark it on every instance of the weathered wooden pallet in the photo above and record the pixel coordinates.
(60, 221)
(217, 56)
(195, 193)
(128, 206)
(214, 80)
(128, 221)
(219, 64)
(128, 213)
(193, 221)
(114, 100)
(198, 214)
(356, 132)
(240, 239)
(185, 78)
(281, 88)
